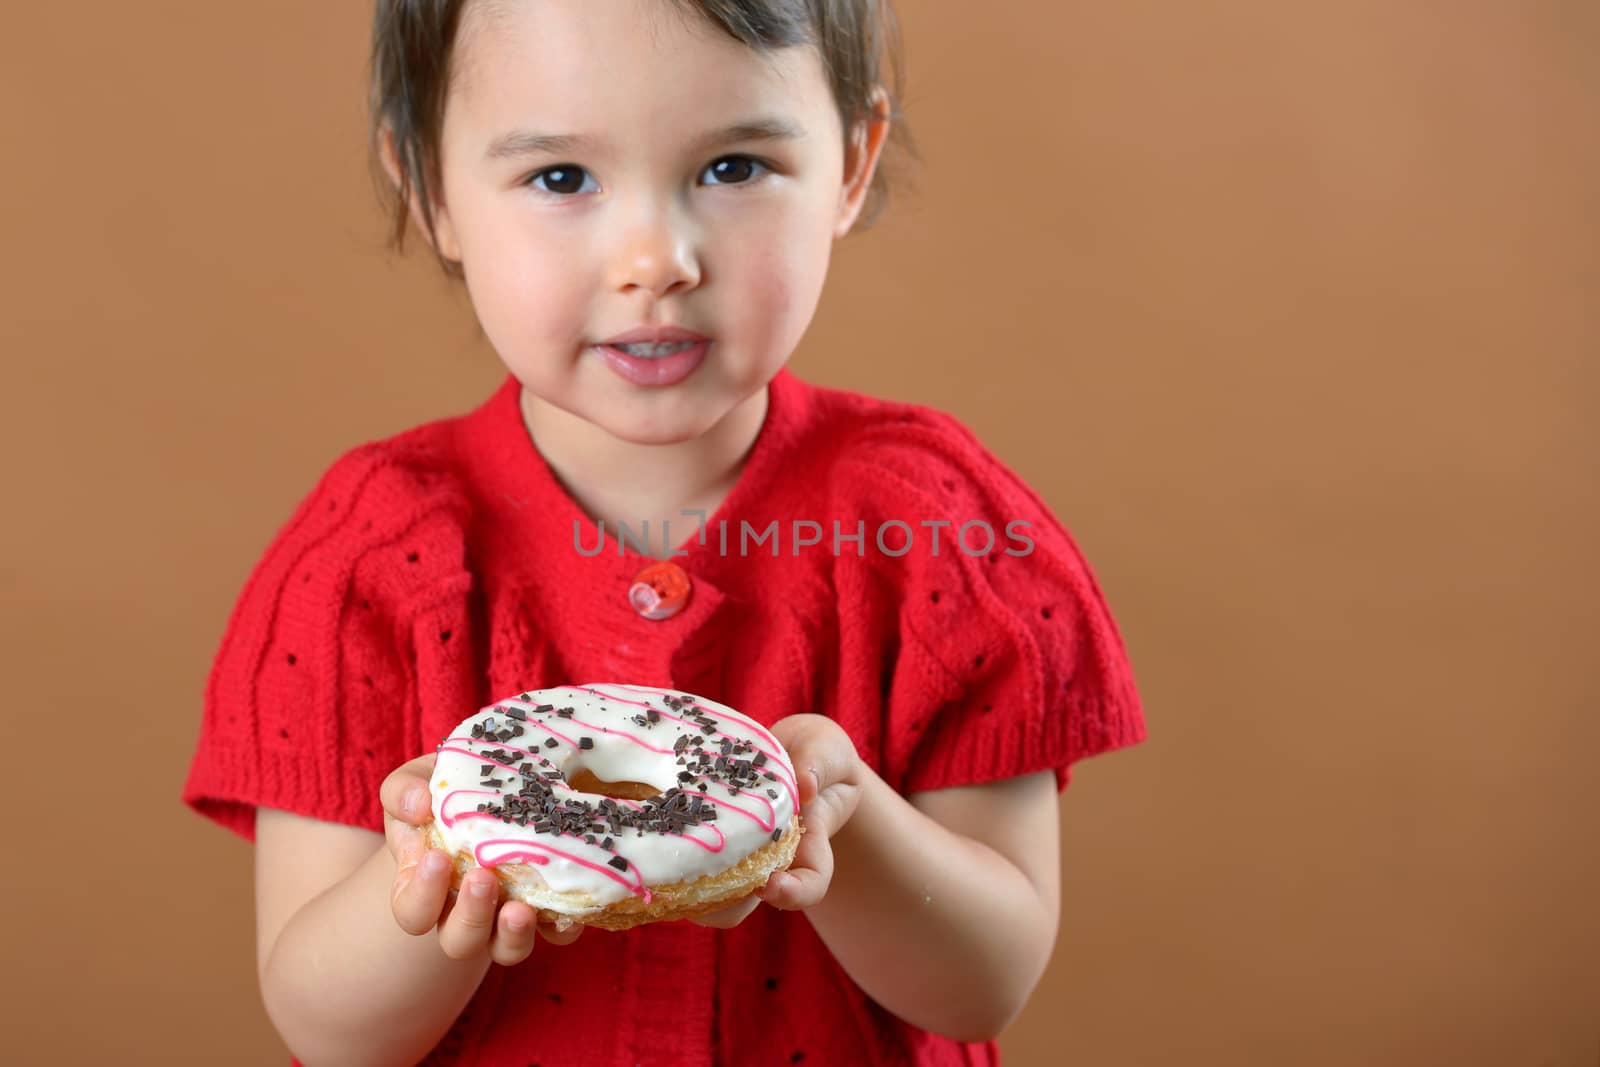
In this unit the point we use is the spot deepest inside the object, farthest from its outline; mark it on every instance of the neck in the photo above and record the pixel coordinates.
(612, 479)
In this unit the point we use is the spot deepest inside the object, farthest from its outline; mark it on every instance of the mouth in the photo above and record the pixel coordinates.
(653, 365)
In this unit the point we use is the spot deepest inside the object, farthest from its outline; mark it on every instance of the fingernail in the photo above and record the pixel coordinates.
(433, 863)
(480, 888)
(416, 802)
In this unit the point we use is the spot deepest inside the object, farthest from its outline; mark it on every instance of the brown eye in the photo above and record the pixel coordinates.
(563, 180)
(735, 170)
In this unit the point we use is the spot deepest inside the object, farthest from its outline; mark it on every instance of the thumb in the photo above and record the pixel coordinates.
(404, 793)
(406, 843)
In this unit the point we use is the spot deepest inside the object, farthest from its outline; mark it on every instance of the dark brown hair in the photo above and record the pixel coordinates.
(410, 74)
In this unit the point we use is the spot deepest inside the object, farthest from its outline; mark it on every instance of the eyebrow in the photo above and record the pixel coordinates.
(525, 142)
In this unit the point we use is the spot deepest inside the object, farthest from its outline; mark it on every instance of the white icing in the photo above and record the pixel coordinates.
(623, 750)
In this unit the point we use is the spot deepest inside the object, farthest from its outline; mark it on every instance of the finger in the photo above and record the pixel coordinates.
(514, 933)
(729, 917)
(402, 839)
(404, 793)
(464, 932)
(806, 881)
(420, 889)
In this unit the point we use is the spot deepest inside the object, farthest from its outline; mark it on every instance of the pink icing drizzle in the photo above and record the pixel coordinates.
(638, 888)
(740, 716)
(776, 762)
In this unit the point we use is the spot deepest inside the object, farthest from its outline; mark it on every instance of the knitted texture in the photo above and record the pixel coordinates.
(435, 571)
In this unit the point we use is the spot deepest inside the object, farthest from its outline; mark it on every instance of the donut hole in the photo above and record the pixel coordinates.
(586, 781)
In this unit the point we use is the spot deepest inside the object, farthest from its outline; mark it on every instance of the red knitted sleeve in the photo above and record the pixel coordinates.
(1007, 660)
(321, 684)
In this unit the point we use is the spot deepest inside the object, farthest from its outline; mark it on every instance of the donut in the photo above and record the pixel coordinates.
(613, 805)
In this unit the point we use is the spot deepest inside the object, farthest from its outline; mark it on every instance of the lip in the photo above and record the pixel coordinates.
(662, 371)
(656, 335)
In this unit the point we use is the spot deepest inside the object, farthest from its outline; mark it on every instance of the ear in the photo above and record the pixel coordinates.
(861, 160)
(448, 247)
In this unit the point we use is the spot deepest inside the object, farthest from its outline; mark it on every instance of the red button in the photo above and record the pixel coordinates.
(660, 590)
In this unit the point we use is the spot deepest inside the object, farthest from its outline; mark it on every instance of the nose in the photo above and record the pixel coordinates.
(657, 255)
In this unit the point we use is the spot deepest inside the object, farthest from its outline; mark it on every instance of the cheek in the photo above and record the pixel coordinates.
(779, 283)
(525, 289)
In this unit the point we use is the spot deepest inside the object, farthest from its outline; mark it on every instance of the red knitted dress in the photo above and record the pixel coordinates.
(431, 573)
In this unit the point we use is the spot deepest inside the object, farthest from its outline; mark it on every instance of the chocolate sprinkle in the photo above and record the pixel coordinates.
(585, 742)
(517, 713)
(618, 862)
(551, 742)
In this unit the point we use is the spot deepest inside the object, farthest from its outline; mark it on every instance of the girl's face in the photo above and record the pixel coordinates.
(644, 216)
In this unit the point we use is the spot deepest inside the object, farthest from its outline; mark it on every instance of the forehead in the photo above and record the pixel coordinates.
(620, 68)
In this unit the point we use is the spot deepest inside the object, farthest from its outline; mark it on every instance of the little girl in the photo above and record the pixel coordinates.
(641, 198)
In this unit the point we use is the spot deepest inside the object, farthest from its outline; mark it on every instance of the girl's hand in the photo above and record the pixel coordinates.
(827, 772)
(470, 921)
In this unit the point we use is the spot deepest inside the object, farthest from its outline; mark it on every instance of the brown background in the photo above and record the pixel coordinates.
(1288, 309)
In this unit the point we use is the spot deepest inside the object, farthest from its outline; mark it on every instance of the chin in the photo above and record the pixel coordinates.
(653, 432)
